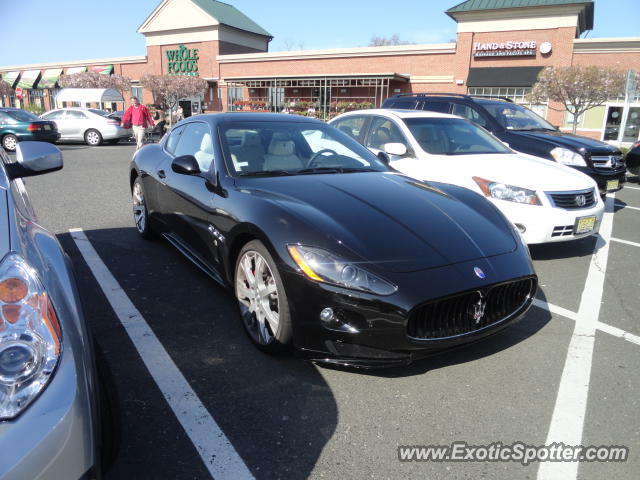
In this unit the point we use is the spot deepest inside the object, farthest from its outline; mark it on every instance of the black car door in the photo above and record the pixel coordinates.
(189, 199)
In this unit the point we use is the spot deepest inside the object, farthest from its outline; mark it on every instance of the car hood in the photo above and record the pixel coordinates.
(518, 170)
(568, 140)
(392, 221)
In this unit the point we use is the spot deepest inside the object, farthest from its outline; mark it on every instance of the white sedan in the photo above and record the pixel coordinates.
(546, 201)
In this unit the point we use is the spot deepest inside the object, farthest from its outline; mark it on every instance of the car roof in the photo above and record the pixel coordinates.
(249, 117)
(9, 109)
(401, 113)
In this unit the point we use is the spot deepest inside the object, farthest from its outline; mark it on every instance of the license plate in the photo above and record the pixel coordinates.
(47, 127)
(613, 185)
(584, 225)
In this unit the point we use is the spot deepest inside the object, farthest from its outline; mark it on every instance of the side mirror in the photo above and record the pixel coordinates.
(396, 149)
(186, 165)
(34, 158)
(384, 158)
(506, 144)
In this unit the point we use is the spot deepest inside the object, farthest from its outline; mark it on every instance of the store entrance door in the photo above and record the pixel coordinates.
(613, 124)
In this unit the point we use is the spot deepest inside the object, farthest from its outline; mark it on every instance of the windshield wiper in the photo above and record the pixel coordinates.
(307, 171)
(266, 173)
(534, 129)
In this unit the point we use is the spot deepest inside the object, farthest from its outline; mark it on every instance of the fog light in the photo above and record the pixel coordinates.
(521, 227)
(327, 315)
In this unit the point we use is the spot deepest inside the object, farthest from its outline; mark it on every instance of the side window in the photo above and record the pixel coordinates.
(57, 115)
(4, 118)
(172, 141)
(440, 107)
(352, 126)
(407, 103)
(196, 140)
(384, 131)
(75, 115)
(469, 113)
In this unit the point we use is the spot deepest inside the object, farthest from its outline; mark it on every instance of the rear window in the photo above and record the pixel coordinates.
(22, 116)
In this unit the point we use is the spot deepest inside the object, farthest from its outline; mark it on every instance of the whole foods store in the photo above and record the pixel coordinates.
(501, 47)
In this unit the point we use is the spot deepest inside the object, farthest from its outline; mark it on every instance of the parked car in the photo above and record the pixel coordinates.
(18, 125)
(88, 125)
(52, 403)
(526, 132)
(546, 201)
(633, 159)
(332, 253)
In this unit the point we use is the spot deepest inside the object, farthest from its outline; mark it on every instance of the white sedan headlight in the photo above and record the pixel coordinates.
(510, 193)
(30, 336)
(568, 157)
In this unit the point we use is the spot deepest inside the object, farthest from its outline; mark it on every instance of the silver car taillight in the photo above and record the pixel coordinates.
(30, 336)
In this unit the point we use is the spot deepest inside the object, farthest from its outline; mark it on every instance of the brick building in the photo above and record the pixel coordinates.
(500, 48)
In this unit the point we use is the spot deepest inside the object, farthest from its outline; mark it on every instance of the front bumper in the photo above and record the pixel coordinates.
(601, 177)
(378, 335)
(548, 224)
(53, 437)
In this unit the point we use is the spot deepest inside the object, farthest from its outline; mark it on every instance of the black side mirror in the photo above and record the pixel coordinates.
(34, 158)
(384, 158)
(186, 165)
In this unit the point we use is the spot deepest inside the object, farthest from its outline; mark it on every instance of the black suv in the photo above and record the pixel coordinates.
(526, 132)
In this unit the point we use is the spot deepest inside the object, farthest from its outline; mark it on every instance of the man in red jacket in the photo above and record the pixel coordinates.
(138, 117)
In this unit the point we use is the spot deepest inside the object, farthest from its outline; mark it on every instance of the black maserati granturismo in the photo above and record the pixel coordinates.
(325, 247)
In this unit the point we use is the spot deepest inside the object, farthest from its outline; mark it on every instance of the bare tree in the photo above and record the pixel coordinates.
(388, 41)
(5, 89)
(167, 89)
(96, 80)
(577, 88)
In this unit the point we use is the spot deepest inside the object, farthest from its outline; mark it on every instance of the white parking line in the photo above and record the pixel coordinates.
(631, 188)
(618, 332)
(555, 309)
(217, 453)
(626, 242)
(567, 422)
(624, 206)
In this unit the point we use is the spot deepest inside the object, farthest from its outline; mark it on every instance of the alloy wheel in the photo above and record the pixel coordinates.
(257, 293)
(10, 142)
(139, 208)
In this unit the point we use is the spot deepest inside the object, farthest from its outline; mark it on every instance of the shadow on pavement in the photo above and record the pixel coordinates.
(278, 412)
(584, 247)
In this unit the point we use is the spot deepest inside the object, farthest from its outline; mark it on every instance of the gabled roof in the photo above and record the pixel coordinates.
(480, 5)
(179, 14)
(229, 15)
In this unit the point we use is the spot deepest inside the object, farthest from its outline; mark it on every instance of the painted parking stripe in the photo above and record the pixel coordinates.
(567, 422)
(625, 206)
(626, 187)
(603, 327)
(626, 242)
(217, 453)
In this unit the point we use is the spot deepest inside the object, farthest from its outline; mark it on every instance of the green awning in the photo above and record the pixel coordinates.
(10, 77)
(102, 69)
(49, 78)
(28, 78)
(72, 70)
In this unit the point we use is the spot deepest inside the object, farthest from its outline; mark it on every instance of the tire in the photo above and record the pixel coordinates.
(9, 142)
(140, 211)
(113, 141)
(265, 314)
(92, 137)
(635, 171)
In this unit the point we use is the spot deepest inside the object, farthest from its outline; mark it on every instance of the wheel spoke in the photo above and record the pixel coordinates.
(248, 274)
(270, 289)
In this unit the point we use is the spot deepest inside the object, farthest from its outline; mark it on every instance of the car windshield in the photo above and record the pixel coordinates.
(453, 136)
(22, 115)
(293, 148)
(516, 117)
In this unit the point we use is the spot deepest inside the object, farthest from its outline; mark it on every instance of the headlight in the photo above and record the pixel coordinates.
(568, 157)
(322, 266)
(506, 192)
(30, 336)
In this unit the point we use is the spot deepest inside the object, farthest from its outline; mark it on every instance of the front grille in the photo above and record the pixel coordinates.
(469, 312)
(606, 162)
(573, 200)
(562, 231)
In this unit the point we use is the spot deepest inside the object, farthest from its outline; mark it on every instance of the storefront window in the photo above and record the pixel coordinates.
(515, 94)
(137, 92)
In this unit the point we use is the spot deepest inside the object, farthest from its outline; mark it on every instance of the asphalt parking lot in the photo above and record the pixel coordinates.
(568, 372)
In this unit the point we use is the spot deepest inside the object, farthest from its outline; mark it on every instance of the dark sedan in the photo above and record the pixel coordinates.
(18, 125)
(325, 247)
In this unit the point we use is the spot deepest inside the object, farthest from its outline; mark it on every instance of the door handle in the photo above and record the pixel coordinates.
(161, 174)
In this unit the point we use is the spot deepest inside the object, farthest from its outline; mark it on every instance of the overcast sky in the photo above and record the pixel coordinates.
(36, 31)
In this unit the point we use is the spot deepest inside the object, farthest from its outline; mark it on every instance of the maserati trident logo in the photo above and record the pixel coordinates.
(478, 308)
(479, 273)
(581, 200)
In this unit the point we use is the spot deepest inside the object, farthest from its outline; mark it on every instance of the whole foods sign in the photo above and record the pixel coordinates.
(505, 49)
(182, 61)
